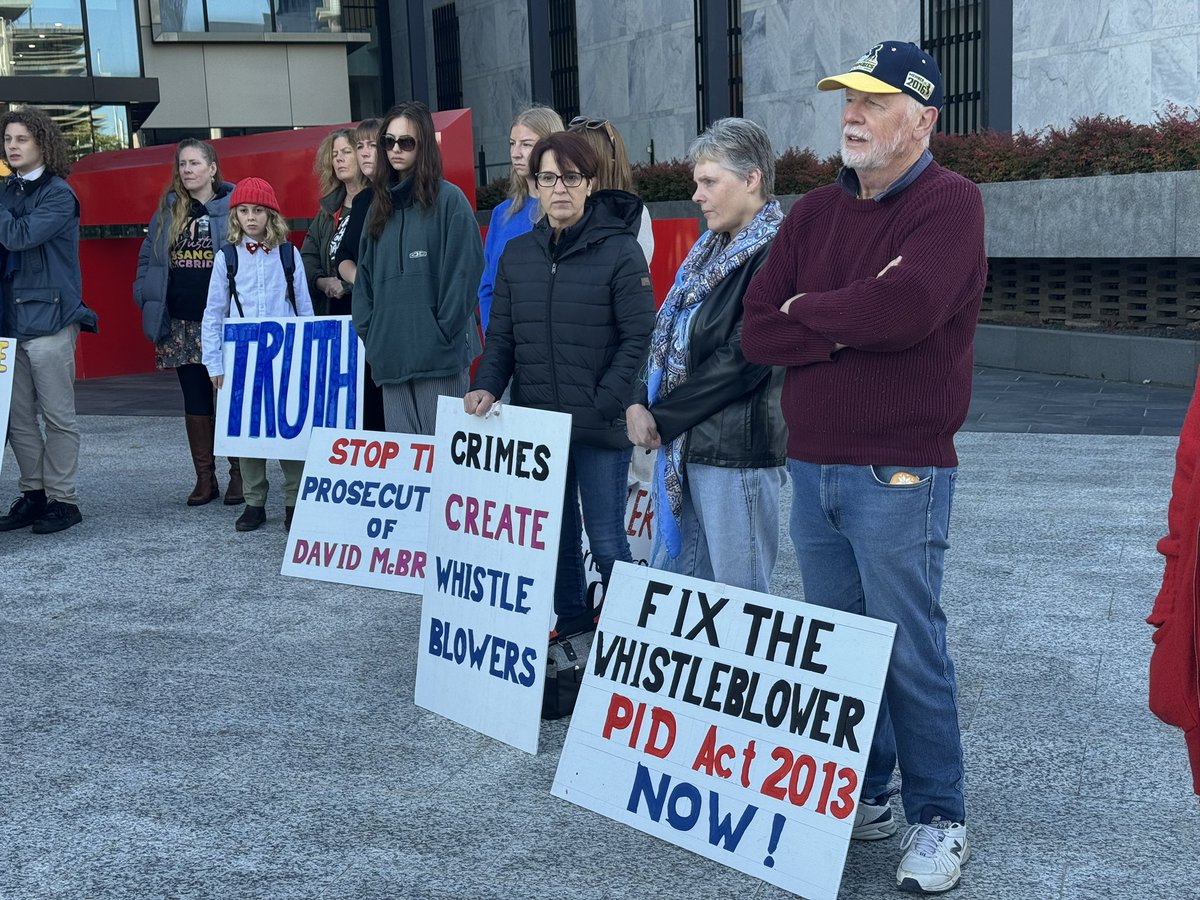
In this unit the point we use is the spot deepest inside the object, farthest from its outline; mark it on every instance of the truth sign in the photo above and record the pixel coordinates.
(285, 377)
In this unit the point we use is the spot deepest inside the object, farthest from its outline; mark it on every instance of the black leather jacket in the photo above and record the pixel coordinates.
(728, 407)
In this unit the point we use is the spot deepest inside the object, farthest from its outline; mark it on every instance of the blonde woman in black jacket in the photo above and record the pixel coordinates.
(571, 316)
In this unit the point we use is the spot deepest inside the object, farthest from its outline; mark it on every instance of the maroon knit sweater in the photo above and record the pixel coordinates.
(900, 389)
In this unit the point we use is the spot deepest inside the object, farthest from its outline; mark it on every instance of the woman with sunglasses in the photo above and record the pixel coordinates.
(614, 171)
(714, 418)
(520, 211)
(571, 315)
(418, 272)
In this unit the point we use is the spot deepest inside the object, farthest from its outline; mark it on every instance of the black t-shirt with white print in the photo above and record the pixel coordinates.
(190, 266)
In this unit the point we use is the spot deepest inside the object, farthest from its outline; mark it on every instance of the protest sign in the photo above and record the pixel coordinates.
(639, 529)
(8, 351)
(284, 377)
(362, 513)
(729, 722)
(494, 521)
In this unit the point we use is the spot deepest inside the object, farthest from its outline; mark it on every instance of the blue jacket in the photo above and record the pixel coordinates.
(501, 230)
(153, 266)
(39, 232)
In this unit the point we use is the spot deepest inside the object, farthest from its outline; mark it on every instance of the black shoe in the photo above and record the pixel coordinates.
(25, 511)
(58, 516)
(288, 512)
(251, 518)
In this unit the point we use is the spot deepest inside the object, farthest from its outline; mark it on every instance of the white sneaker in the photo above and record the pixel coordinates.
(933, 857)
(873, 822)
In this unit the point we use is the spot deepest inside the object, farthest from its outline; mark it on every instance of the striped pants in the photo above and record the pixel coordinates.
(411, 407)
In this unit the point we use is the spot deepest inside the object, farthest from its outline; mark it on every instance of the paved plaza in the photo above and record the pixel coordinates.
(177, 720)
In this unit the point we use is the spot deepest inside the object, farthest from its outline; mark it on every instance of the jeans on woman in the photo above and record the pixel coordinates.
(597, 484)
(729, 526)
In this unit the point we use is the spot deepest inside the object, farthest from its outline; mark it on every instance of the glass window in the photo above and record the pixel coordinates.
(182, 15)
(112, 37)
(239, 15)
(308, 15)
(46, 38)
(110, 126)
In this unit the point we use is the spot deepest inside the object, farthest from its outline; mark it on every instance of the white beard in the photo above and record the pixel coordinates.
(871, 154)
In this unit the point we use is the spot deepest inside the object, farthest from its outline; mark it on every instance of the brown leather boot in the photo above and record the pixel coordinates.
(200, 439)
(233, 493)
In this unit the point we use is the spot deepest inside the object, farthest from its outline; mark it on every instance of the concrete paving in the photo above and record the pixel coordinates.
(179, 720)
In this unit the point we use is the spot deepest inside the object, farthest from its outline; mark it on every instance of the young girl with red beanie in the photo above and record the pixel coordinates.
(256, 230)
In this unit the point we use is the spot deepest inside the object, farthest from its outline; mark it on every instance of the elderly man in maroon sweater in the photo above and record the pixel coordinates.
(869, 297)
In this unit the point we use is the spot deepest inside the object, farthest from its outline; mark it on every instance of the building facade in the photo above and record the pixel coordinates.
(660, 71)
(121, 73)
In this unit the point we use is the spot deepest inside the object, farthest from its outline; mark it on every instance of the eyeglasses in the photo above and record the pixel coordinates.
(550, 179)
(405, 142)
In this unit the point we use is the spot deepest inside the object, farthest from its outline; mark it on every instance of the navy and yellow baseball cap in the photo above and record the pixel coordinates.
(892, 67)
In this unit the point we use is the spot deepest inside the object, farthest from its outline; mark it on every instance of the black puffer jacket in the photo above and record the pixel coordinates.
(570, 323)
(729, 407)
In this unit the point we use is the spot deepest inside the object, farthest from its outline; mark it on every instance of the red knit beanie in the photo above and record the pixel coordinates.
(255, 192)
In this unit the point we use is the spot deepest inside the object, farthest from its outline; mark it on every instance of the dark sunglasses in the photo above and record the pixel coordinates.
(581, 122)
(585, 122)
(404, 142)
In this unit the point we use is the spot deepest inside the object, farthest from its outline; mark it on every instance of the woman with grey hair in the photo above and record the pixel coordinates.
(714, 418)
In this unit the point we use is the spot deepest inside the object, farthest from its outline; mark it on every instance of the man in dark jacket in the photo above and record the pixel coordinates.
(44, 311)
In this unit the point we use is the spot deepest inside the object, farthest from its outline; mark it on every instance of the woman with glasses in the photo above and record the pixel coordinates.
(571, 315)
(714, 418)
(517, 214)
(614, 171)
(418, 272)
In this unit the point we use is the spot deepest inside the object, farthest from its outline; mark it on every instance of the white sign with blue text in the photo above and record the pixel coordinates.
(495, 514)
(731, 723)
(283, 378)
(362, 514)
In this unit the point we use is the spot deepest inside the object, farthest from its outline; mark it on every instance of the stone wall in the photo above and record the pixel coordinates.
(787, 47)
(1118, 57)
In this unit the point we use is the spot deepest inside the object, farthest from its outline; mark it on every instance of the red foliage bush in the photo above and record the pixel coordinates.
(1093, 145)
(799, 171)
(491, 194)
(670, 180)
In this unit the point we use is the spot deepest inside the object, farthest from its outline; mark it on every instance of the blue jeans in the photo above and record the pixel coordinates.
(729, 526)
(867, 547)
(597, 482)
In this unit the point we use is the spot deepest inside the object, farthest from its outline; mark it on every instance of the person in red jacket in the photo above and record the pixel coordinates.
(1174, 674)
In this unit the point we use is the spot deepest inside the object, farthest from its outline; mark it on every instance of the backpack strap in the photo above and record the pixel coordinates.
(231, 267)
(287, 256)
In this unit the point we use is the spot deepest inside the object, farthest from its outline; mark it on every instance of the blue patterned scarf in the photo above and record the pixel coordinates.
(710, 260)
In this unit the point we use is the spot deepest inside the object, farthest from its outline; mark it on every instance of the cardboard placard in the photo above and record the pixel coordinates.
(283, 377)
(362, 514)
(494, 522)
(8, 353)
(732, 723)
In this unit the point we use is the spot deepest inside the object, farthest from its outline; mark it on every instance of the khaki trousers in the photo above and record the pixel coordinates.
(44, 385)
(254, 480)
